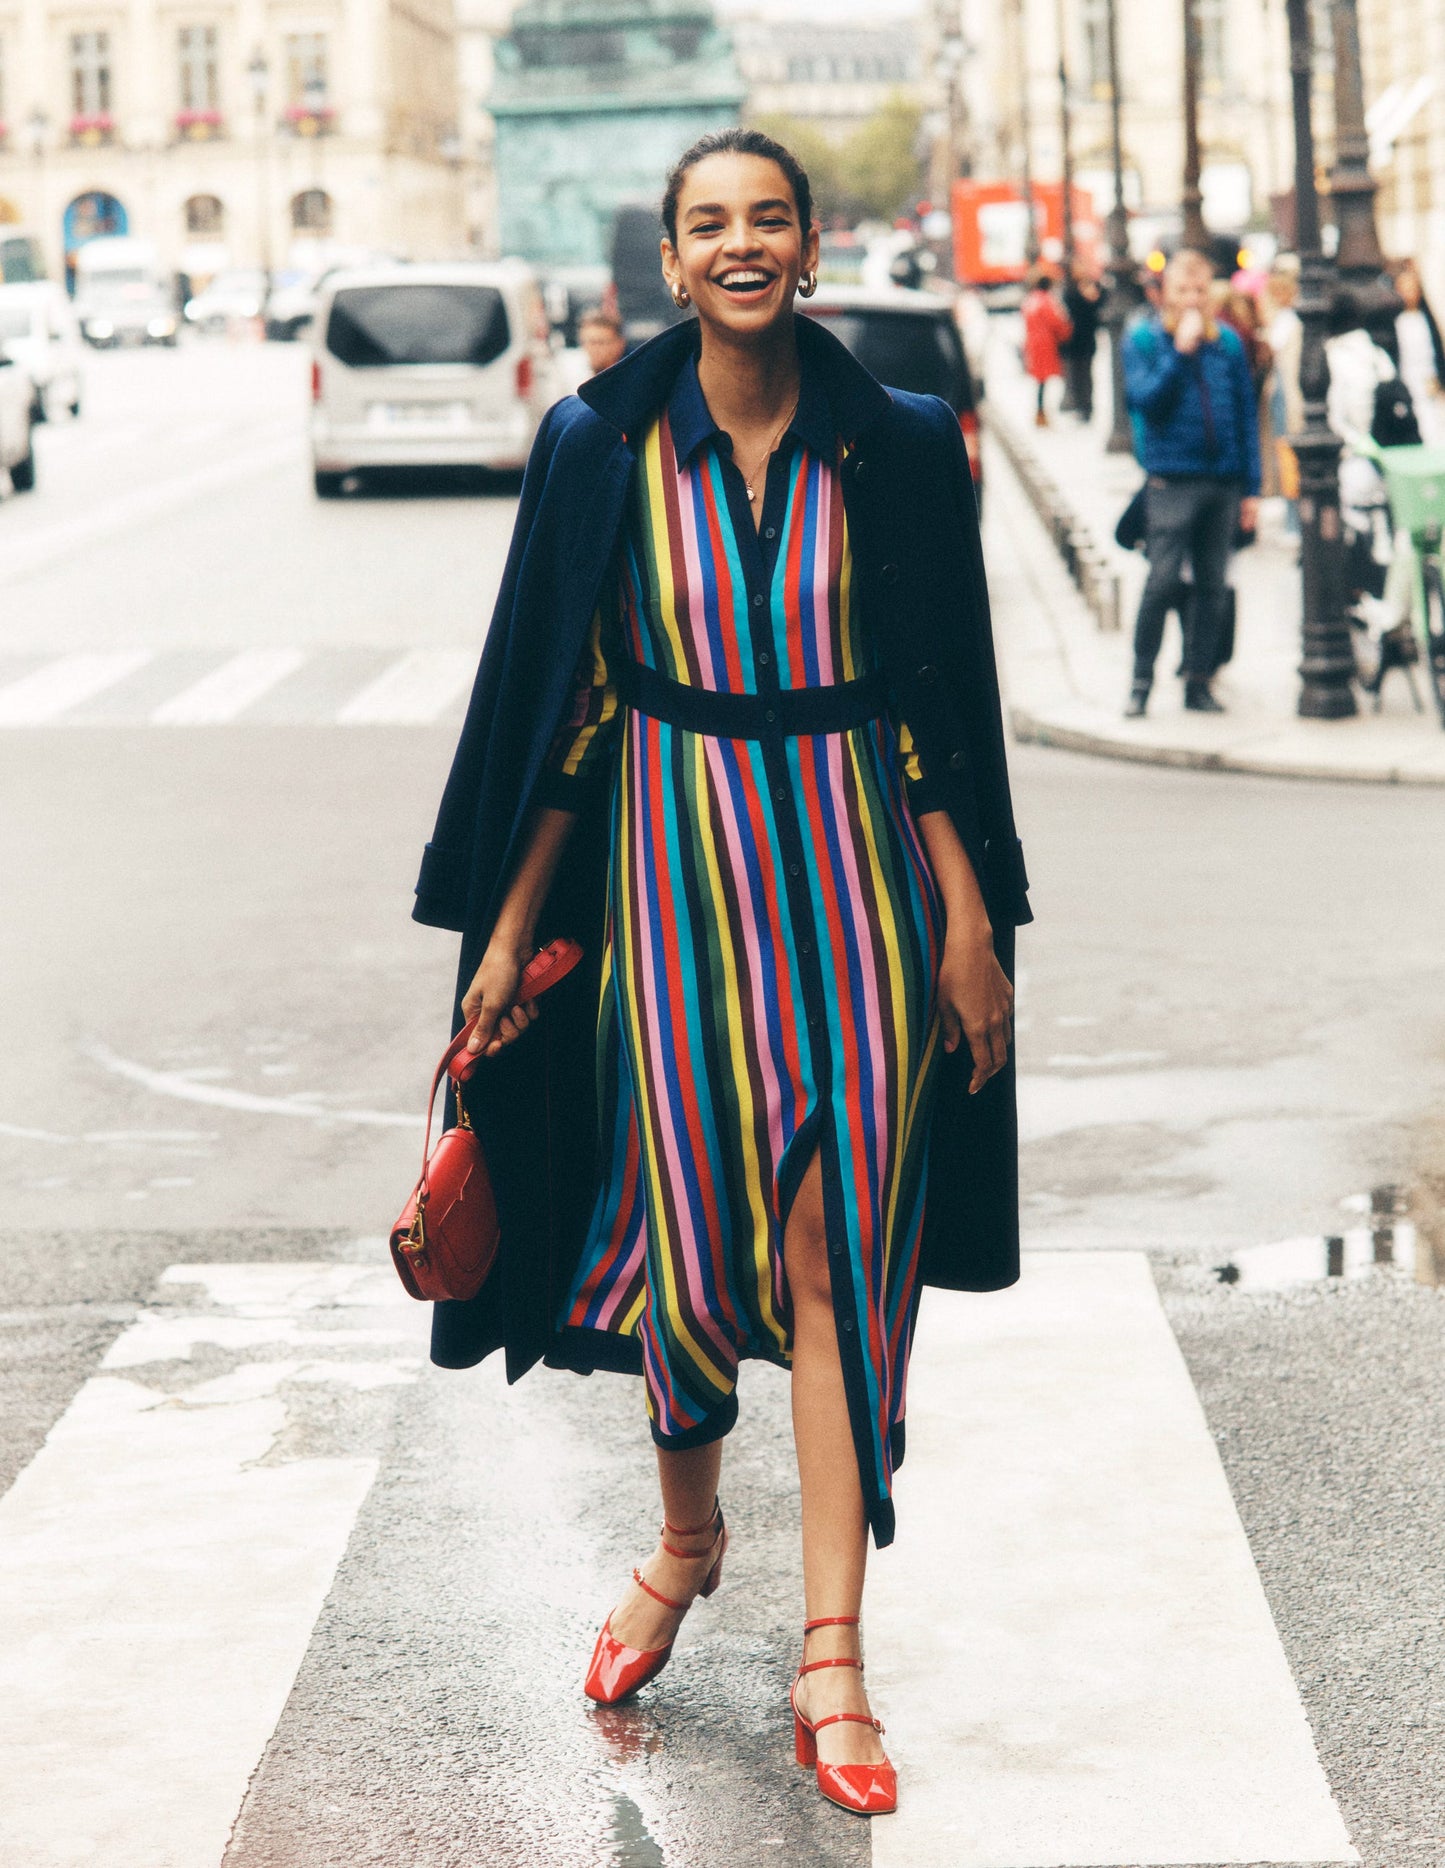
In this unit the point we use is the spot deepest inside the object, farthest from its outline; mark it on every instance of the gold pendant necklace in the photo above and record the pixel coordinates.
(768, 455)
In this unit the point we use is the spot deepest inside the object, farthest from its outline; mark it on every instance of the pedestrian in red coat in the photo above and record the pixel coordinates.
(1046, 327)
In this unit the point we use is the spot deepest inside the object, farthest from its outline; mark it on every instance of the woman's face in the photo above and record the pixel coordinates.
(740, 249)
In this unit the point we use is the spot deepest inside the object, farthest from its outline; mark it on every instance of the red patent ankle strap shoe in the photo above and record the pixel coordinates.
(617, 1671)
(864, 1789)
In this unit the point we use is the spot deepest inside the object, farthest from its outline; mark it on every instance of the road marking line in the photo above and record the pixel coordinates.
(412, 691)
(133, 508)
(228, 690)
(188, 1090)
(163, 1561)
(1070, 1642)
(49, 691)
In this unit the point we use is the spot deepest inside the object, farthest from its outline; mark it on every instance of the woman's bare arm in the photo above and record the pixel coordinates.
(490, 998)
(975, 999)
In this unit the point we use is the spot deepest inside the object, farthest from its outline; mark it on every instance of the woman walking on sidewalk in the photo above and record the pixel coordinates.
(778, 776)
(1046, 329)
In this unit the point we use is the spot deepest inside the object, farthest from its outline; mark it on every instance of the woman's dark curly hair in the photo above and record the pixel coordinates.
(737, 142)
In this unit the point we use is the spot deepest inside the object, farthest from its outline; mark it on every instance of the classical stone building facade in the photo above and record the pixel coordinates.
(830, 75)
(236, 132)
(1010, 87)
(1403, 46)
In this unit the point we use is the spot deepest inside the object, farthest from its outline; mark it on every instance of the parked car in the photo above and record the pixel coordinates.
(38, 330)
(233, 296)
(427, 366)
(17, 440)
(291, 305)
(123, 295)
(909, 340)
(21, 257)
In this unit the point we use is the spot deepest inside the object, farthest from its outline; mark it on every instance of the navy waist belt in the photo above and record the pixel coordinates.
(789, 712)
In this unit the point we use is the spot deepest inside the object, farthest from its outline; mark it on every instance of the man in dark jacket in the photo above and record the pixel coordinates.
(1188, 379)
(1083, 303)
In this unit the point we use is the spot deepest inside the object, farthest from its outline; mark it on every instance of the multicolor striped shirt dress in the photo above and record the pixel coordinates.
(773, 935)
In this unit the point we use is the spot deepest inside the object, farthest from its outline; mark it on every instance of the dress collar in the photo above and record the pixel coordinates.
(691, 421)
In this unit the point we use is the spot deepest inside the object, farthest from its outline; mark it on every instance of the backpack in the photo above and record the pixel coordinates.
(1393, 424)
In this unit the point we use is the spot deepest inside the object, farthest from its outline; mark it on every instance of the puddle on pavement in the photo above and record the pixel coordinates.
(633, 1844)
(1386, 1243)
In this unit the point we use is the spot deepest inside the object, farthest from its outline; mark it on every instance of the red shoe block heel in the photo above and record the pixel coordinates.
(617, 1671)
(863, 1789)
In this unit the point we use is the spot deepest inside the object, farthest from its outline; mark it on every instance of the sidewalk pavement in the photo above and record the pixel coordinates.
(1066, 678)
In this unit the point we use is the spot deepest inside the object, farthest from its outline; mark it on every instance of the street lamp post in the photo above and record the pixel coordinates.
(1026, 160)
(36, 125)
(1196, 234)
(1121, 295)
(1066, 145)
(1359, 260)
(259, 72)
(1327, 665)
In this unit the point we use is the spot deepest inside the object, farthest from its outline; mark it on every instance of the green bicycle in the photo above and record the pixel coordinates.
(1415, 483)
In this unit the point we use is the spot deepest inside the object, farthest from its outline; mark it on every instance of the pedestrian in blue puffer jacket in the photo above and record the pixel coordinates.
(1189, 381)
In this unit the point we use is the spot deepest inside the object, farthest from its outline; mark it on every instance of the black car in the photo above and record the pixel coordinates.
(908, 340)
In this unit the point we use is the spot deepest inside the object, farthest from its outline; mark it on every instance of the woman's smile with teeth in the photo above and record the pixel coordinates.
(745, 279)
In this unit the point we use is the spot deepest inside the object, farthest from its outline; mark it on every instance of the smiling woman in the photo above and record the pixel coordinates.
(792, 759)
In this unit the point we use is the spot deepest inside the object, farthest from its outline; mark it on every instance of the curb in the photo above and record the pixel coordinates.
(1033, 730)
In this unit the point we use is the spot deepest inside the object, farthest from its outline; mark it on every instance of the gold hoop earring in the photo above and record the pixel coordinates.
(681, 297)
(807, 285)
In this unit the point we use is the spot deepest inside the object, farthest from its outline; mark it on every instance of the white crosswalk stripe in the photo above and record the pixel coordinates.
(164, 1557)
(330, 686)
(50, 691)
(413, 690)
(229, 690)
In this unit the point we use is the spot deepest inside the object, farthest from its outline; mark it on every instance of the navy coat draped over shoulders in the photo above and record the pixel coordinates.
(918, 561)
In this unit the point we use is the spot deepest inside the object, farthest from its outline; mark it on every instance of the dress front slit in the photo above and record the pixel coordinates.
(773, 936)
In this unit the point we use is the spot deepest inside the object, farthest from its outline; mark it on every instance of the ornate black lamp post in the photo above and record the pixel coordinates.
(1121, 294)
(259, 72)
(1195, 232)
(1359, 260)
(1327, 667)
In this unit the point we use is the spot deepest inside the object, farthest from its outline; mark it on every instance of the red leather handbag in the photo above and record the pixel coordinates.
(445, 1242)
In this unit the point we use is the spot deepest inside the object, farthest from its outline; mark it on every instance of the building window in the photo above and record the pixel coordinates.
(1210, 15)
(306, 73)
(200, 81)
(1095, 22)
(311, 211)
(90, 74)
(205, 217)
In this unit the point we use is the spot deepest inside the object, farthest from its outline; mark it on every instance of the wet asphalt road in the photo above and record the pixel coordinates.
(1231, 1021)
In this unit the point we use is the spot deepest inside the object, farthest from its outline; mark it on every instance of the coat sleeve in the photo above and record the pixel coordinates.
(1153, 373)
(1004, 880)
(443, 885)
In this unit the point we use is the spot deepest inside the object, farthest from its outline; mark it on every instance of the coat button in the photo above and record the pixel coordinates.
(836, 1248)
(770, 716)
(770, 531)
(780, 792)
(958, 761)
(848, 1326)
(764, 658)
(757, 603)
(888, 574)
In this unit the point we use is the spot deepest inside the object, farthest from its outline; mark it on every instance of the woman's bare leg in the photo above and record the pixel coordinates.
(689, 1482)
(835, 1526)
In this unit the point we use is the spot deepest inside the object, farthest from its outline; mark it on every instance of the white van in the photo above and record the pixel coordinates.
(38, 329)
(123, 295)
(443, 365)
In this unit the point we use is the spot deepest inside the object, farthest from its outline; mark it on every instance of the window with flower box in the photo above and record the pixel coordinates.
(199, 88)
(90, 87)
